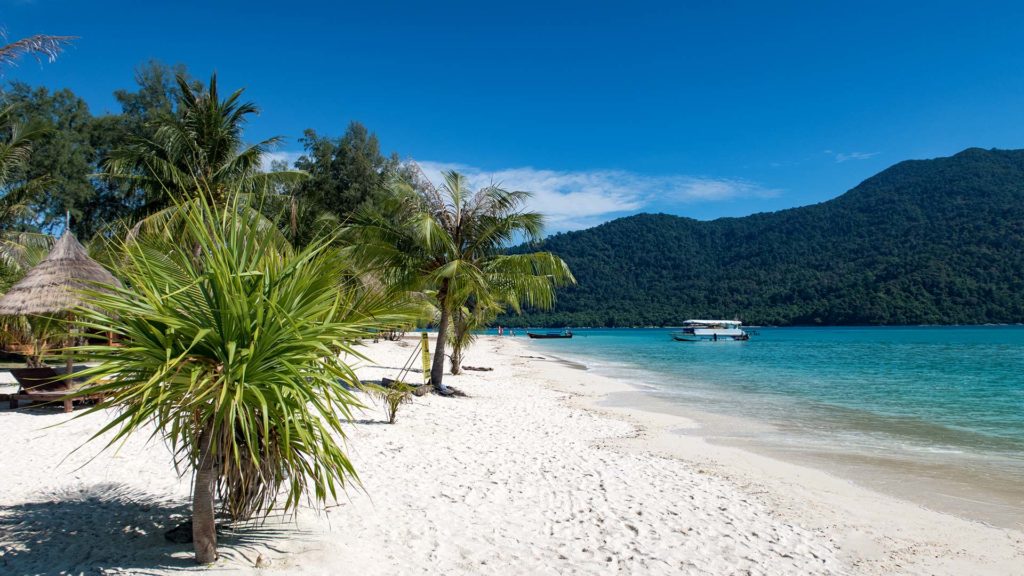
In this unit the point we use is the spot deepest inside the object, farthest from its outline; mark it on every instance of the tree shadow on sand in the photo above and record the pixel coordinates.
(108, 526)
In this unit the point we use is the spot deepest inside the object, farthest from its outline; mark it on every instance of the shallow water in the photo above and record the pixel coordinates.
(942, 402)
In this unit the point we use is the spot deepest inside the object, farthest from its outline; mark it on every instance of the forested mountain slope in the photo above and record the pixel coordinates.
(925, 241)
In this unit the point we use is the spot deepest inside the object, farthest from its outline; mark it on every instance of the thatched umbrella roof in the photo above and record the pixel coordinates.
(53, 284)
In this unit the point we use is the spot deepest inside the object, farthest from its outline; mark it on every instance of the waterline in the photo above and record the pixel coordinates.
(933, 415)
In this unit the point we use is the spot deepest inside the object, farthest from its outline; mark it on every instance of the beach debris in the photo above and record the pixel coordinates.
(478, 368)
(416, 389)
(448, 392)
(182, 533)
(262, 561)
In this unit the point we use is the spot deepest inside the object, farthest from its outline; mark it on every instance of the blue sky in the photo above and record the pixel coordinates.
(703, 109)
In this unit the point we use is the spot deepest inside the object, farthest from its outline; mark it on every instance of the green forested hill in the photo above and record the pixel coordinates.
(923, 242)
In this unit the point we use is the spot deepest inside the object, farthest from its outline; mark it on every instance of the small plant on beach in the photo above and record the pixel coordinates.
(230, 347)
(392, 397)
(466, 320)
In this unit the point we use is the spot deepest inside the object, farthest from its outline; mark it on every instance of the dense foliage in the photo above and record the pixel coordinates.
(73, 149)
(344, 174)
(925, 241)
(199, 145)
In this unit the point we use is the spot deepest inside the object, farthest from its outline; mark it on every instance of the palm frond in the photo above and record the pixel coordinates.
(41, 46)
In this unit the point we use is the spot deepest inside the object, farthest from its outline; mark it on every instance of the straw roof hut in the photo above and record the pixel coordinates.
(52, 285)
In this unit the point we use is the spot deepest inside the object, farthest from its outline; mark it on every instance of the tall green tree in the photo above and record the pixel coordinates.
(71, 143)
(345, 173)
(450, 243)
(19, 248)
(65, 156)
(157, 93)
(235, 356)
(198, 146)
(15, 152)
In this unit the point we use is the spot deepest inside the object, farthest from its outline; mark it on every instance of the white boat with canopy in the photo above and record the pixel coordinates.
(713, 330)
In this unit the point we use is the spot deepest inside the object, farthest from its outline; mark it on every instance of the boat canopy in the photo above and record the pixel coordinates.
(712, 323)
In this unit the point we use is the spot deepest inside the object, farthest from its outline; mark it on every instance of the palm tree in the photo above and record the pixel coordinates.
(16, 147)
(465, 320)
(198, 146)
(18, 249)
(234, 355)
(451, 244)
(15, 151)
(39, 45)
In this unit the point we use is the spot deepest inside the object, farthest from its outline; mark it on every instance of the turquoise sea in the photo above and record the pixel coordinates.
(882, 402)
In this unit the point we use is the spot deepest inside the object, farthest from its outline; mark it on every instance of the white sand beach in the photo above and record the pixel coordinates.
(526, 475)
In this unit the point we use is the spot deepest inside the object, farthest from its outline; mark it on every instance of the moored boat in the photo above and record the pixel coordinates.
(711, 330)
(567, 333)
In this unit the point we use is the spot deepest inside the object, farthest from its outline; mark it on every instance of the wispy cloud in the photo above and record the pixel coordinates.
(571, 200)
(279, 156)
(579, 199)
(845, 156)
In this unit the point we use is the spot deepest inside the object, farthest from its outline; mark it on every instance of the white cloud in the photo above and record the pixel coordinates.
(844, 156)
(278, 156)
(579, 199)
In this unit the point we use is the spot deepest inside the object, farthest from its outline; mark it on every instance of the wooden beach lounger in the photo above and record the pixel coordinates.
(43, 385)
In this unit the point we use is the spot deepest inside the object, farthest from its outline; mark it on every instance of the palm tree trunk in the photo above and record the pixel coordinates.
(456, 359)
(437, 369)
(459, 325)
(204, 528)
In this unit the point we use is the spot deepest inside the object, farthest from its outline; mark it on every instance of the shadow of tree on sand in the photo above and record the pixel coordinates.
(107, 527)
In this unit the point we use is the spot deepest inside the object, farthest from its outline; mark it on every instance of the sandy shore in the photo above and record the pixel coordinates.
(530, 474)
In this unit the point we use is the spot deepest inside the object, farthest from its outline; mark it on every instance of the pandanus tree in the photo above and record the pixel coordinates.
(233, 352)
(199, 145)
(451, 243)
